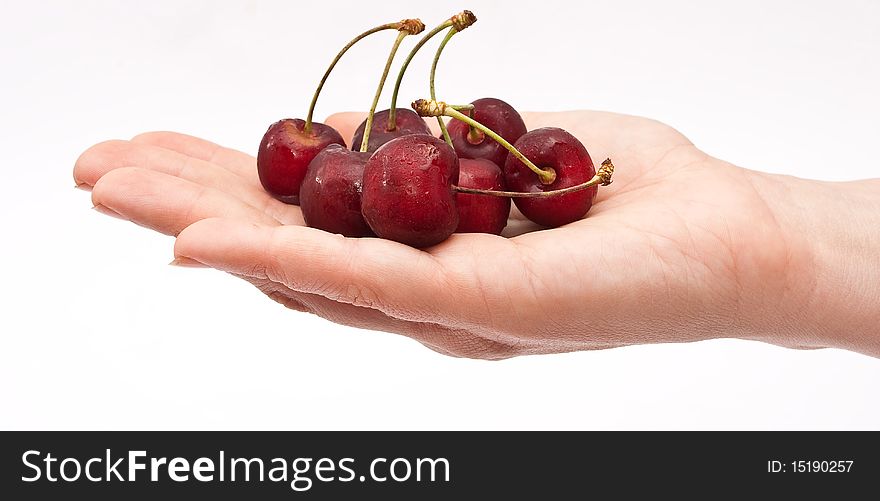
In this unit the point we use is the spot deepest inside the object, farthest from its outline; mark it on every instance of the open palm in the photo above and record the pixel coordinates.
(676, 249)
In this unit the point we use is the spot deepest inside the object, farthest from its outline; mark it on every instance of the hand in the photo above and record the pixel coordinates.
(681, 247)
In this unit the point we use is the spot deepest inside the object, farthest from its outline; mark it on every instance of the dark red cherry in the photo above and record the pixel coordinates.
(407, 122)
(407, 194)
(330, 196)
(285, 153)
(496, 115)
(481, 213)
(554, 148)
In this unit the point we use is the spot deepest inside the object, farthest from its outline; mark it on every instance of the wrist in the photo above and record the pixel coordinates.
(832, 298)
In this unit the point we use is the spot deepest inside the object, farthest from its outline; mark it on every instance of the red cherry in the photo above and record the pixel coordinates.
(496, 115)
(285, 153)
(551, 147)
(407, 191)
(330, 196)
(481, 213)
(407, 123)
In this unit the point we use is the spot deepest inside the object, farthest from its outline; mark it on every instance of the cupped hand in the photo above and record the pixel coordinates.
(681, 247)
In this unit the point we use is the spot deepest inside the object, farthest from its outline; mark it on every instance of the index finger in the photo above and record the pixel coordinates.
(400, 281)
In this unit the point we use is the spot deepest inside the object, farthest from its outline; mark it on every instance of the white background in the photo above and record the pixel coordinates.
(98, 332)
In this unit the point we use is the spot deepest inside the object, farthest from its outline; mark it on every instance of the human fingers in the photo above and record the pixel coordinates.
(109, 155)
(166, 203)
(451, 342)
(400, 281)
(237, 162)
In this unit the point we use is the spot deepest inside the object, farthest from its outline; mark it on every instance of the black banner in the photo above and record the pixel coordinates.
(435, 465)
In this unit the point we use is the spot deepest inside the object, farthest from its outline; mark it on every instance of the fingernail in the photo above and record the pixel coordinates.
(107, 211)
(83, 186)
(185, 262)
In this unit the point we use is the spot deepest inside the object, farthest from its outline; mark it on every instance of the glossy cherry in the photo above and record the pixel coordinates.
(407, 191)
(551, 148)
(481, 213)
(494, 114)
(330, 196)
(407, 123)
(285, 153)
(290, 144)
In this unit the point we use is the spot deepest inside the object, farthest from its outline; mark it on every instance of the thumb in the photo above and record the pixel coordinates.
(398, 280)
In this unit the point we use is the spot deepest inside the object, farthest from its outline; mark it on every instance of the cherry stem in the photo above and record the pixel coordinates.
(369, 125)
(392, 113)
(433, 108)
(602, 177)
(452, 31)
(460, 21)
(466, 107)
(307, 128)
(474, 135)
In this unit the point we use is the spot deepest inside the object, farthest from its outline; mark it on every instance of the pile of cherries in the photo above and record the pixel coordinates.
(401, 183)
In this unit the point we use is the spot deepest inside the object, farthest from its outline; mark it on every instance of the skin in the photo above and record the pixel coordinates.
(681, 247)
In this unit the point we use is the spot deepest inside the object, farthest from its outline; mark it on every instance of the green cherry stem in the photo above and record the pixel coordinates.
(452, 31)
(434, 108)
(392, 113)
(408, 27)
(474, 135)
(602, 177)
(463, 107)
(307, 128)
(460, 21)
